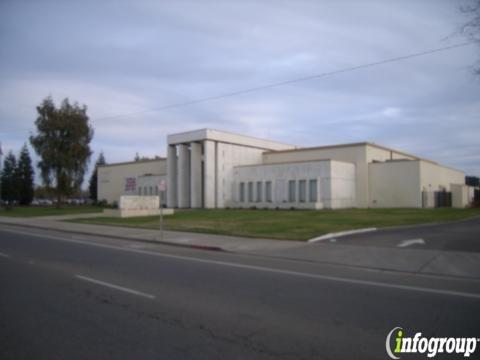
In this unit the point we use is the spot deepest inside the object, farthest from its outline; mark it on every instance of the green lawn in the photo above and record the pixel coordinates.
(286, 224)
(33, 211)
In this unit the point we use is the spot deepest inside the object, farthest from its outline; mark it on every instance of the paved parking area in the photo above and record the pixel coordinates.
(456, 236)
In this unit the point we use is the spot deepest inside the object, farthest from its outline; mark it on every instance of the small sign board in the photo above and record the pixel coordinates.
(130, 184)
(162, 185)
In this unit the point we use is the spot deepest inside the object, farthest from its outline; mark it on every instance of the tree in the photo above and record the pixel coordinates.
(92, 187)
(42, 192)
(471, 29)
(9, 179)
(25, 177)
(62, 142)
(472, 181)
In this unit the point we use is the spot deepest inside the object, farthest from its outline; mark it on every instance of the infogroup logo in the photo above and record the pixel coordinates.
(429, 346)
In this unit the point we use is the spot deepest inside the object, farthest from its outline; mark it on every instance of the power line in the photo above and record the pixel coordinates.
(292, 81)
(287, 82)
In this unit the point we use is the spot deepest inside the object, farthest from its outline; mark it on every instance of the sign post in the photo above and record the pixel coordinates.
(162, 186)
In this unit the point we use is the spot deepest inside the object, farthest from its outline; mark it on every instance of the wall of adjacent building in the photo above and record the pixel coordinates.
(111, 178)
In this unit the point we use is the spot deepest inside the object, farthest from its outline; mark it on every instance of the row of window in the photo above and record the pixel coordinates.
(258, 195)
(260, 191)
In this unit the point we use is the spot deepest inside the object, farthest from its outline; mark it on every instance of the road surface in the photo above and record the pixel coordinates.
(67, 296)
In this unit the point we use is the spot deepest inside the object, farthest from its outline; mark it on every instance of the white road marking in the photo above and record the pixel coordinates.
(4, 255)
(265, 269)
(113, 286)
(411, 242)
(340, 234)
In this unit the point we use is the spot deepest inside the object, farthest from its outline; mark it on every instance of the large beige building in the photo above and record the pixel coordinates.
(216, 169)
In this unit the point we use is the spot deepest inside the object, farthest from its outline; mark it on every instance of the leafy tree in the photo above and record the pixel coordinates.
(472, 181)
(25, 177)
(62, 141)
(9, 179)
(42, 192)
(92, 187)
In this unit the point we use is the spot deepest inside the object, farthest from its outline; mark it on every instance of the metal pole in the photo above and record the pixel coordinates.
(161, 215)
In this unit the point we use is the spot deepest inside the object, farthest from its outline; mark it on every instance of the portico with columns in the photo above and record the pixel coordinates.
(200, 166)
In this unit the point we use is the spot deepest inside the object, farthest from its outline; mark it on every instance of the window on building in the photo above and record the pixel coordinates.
(150, 191)
(139, 190)
(242, 192)
(313, 190)
(302, 190)
(291, 191)
(145, 190)
(156, 190)
(259, 191)
(250, 191)
(268, 191)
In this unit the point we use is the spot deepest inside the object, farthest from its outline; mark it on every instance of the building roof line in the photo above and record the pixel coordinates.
(133, 162)
(363, 143)
(206, 130)
(318, 147)
(253, 137)
(295, 162)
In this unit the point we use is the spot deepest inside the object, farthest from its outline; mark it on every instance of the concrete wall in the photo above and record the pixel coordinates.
(229, 156)
(435, 177)
(412, 183)
(132, 206)
(112, 178)
(342, 186)
(460, 195)
(356, 154)
(395, 184)
(335, 184)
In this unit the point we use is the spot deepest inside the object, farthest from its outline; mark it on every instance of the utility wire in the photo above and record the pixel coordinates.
(292, 81)
(288, 82)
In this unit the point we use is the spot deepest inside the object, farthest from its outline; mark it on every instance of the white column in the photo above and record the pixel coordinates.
(172, 176)
(183, 176)
(196, 175)
(209, 176)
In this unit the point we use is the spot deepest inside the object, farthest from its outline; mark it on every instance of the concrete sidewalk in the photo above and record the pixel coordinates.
(414, 261)
(219, 242)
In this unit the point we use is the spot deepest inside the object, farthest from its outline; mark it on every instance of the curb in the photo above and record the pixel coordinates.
(422, 225)
(340, 234)
(158, 242)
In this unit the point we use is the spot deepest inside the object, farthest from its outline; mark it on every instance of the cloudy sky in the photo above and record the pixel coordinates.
(125, 59)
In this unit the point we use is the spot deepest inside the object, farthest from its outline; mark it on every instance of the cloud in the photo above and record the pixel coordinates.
(129, 57)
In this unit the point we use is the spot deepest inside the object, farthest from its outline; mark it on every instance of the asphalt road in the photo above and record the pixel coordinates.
(455, 236)
(69, 297)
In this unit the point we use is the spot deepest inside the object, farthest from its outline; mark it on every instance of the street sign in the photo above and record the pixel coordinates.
(162, 185)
